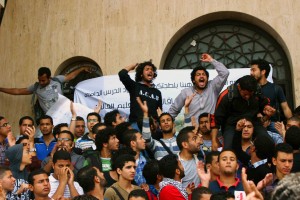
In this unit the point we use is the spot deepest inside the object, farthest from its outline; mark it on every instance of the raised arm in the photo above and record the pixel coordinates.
(15, 91)
(75, 73)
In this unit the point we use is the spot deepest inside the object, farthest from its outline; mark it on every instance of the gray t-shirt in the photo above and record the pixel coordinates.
(48, 95)
(190, 171)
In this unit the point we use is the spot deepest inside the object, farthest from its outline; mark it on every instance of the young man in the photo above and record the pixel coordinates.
(62, 179)
(260, 70)
(166, 145)
(172, 171)
(7, 181)
(139, 194)
(92, 181)
(5, 129)
(106, 142)
(189, 144)
(237, 102)
(153, 178)
(113, 118)
(134, 139)
(19, 157)
(125, 167)
(25, 122)
(142, 87)
(227, 181)
(39, 184)
(47, 88)
(202, 193)
(292, 138)
(212, 164)
(206, 91)
(65, 141)
(87, 141)
(79, 128)
(46, 143)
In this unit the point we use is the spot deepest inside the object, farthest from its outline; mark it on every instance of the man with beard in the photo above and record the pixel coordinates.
(189, 144)
(92, 181)
(142, 87)
(260, 70)
(206, 92)
(46, 143)
(167, 144)
(171, 186)
(204, 130)
(39, 184)
(227, 181)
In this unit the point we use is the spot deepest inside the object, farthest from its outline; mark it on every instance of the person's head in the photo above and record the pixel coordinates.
(222, 196)
(39, 184)
(287, 188)
(151, 172)
(292, 137)
(199, 77)
(292, 121)
(260, 69)
(189, 141)
(79, 127)
(138, 194)
(201, 193)
(46, 124)
(44, 75)
(107, 138)
(85, 197)
(89, 177)
(296, 112)
(228, 164)
(24, 122)
(122, 151)
(59, 128)
(146, 72)
(5, 127)
(24, 139)
(263, 146)
(61, 159)
(18, 156)
(204, 124)
(133, 138)
(247, 86)
(171, 167)
(92, 119)
(65, 140)
(121, 128)
(7, 179)
(98, 127)
(211, 162)
(283, 159)
(125, 167)
(113, 118)
(248, 130)
(166, 122)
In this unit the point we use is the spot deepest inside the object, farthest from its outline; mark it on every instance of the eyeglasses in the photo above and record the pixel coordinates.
(92, 120)
(5, 124)
(63, 139)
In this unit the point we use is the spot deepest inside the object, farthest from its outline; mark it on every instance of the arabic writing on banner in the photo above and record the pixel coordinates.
(115, 96)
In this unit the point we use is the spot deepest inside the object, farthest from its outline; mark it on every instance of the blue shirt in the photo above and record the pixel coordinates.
(42, 150)
(139, 178)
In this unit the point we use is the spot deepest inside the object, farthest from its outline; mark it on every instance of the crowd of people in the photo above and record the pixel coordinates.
(234, 144)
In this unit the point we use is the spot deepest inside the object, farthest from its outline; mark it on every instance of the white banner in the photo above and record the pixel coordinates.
(111, 91)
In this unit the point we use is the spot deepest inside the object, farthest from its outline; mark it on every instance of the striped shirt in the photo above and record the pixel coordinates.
(85, 142)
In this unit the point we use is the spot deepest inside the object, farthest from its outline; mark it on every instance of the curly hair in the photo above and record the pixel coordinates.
(140, 68)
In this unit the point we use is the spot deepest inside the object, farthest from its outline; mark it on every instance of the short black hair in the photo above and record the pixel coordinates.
(122, 160)
(210, 155)
(120, 129)
(231, 150)
(103, 136)
(202, 115)
(85, 178)
(110, 117)
(119, 152)
(34, 173)
(283, 147)
(24, 118)
(67, 132)
(128, 136)
(292, 137)
(96, 126)
(264, 146)
(94, 114)
(140, 68)
(183, 136)
(56, 129)
(262, 65)
(78, 118)
(197, 192)
(138, 193)
(44, 70)
(150, 171)
(61, 155)
(222, 196)
(3, 169)
(45, 117)
(248, 83)
(85, 197)
(163, 114)
(168, 165)
(23, 137)
(193, 73)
